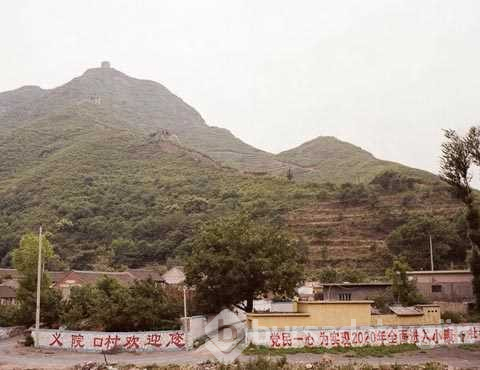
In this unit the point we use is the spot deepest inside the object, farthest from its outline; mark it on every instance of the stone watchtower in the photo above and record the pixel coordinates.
(105, 64)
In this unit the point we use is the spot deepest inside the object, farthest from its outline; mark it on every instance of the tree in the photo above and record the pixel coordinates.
(236, 259)
(153, 307)
(412, 241)
(289, 174)
(25, 260)
(458, 156)
(109, 306)
(403, 290)
(475, 268)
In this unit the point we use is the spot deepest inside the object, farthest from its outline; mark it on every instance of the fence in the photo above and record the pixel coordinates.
(88, 341)
(357, 337)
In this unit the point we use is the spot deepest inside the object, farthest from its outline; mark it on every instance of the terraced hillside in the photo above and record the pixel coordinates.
(353, 236)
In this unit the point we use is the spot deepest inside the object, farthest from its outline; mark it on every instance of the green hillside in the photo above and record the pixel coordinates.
(122, 172)
(117, 197)
(329, 159)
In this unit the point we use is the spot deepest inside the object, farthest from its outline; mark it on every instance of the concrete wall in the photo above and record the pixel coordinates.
(88, 341)
(10, 331)
(274, 320)
(420, 335)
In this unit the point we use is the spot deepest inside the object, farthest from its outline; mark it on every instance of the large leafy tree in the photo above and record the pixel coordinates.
(403, 290)
(107, 305)
(236, 259)
(25, 260)
(412, 241)
(459, 154)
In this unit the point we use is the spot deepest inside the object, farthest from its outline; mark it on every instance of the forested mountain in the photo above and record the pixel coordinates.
(121, 172)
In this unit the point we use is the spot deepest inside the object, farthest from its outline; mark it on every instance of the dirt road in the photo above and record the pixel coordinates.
(14, 356)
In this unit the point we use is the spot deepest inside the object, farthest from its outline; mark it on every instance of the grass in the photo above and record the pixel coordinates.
(366, 351)
(470, 347)
(263, 363)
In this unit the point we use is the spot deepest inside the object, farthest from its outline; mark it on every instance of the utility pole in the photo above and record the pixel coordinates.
(185, 319)
(185, 302)
(39, 277)
(431, 253)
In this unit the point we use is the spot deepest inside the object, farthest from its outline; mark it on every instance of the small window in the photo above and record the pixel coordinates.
(436, 288)
(345, 296)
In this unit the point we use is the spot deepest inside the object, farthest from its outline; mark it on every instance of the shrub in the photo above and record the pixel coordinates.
(453, 317)
(393, 182)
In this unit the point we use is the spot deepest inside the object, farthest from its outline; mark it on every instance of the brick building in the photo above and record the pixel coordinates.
(453, 289)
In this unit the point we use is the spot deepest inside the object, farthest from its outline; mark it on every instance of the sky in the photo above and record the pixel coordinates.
(386, 75)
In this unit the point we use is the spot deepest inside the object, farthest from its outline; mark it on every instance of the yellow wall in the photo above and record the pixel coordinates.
(336, 314)
(321, 314)
(340, 314)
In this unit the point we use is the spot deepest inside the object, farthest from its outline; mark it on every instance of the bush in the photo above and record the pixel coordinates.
(453, 317)
(109, 306)
(393, 182)
(8, 315)
(356, 194)
(28, 342)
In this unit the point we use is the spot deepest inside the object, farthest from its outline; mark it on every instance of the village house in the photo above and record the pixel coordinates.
(8, 295)
(353, 291)
(451, 290)
(65, 280)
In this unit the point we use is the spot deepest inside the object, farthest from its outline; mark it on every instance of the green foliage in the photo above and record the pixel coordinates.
(475, 268)
(356, 194)
(393, 182)
(236, 259)
(383, 300)
(25, 260)
(453, 317)
(138, 209)
(146, 305)
(328, 275)
(412, 241)
(8, 315)
(25, 257)
(331, 275)
(403, 290)
(459, 154)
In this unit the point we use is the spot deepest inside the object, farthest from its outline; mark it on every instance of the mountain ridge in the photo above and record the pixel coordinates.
(122, 101)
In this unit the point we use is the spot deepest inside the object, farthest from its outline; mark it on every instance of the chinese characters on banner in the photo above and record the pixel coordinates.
(328, 338)
(98, 341)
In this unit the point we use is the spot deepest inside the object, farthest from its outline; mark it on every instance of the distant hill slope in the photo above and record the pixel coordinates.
(105, 96)
(327, 159)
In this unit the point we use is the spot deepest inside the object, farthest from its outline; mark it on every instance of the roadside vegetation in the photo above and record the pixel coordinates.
(266, 363)
(366, 351)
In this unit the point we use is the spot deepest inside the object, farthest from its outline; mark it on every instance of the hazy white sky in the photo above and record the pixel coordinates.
(385, 75)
